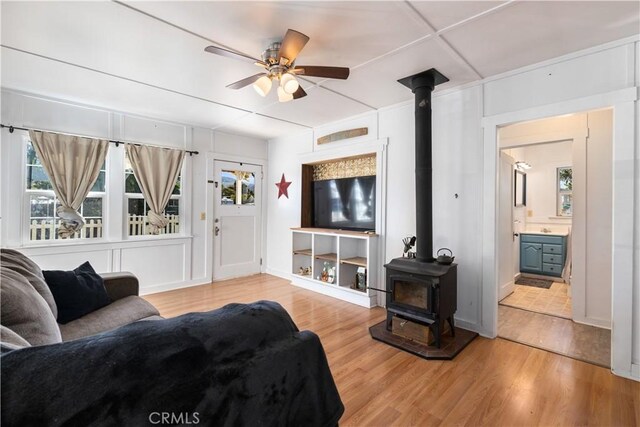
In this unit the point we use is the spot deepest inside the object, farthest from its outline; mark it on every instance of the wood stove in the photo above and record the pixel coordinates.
(419, 289)
(423, 292)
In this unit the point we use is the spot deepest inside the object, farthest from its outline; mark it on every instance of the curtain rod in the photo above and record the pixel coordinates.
(12, 128)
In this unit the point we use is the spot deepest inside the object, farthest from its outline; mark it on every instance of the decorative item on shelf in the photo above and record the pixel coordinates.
(409, 243)
(325, 272)
(301, 271)
(283, 186)
(345, 168)
(343, 134)
(361, 279)
(307, 271)
(332, 275)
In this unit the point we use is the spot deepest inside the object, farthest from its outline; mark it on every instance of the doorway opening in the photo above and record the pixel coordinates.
(555, 225)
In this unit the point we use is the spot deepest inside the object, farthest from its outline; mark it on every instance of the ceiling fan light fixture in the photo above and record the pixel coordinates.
(284, 96)
(289, 83)
(263, 85)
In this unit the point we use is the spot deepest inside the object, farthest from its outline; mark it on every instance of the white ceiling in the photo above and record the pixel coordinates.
(147, 58)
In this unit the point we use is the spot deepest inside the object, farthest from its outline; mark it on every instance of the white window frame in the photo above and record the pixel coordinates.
(560, 193)
(26, 204)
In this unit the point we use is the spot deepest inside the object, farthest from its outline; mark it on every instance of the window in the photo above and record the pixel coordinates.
(43, 223)
(564, 191)
(137, 208)
(238, 188)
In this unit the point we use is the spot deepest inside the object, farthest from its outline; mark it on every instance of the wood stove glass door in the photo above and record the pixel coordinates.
(412, 293)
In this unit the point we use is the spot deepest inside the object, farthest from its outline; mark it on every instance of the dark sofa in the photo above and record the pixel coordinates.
(243, 364)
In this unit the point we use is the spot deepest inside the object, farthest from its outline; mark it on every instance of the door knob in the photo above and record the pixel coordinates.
(216, 230)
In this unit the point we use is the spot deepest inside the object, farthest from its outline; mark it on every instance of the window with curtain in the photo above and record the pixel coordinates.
(42, 221)
(137, 209)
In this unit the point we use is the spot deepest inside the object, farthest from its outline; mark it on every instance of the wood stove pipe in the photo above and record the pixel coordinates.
(422, 85)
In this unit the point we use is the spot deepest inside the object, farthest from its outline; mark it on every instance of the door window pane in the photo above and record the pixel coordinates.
(237, 188)
(248, 189)
(228, 187)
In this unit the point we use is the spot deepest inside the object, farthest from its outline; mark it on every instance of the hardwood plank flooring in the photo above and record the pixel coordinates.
(491, 382)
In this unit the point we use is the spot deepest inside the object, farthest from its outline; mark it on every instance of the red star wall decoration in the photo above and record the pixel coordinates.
(283, 186)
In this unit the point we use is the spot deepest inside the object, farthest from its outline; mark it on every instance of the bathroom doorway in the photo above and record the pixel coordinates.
(554, 178)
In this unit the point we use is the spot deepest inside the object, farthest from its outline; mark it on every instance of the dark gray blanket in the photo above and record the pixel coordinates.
(238, 365)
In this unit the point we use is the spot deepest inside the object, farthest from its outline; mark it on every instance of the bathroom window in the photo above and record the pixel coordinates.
(564, 191)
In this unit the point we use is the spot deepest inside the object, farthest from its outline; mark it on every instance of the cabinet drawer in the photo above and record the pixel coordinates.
(552, 249)
(537, 238)
(552, 259)
(554, 269)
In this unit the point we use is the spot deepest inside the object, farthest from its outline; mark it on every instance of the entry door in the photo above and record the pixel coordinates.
(237, 220)
(506, 237)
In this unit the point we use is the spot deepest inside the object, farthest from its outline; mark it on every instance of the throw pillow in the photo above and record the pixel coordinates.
(76, 292)
(24, 310)
(28, 269)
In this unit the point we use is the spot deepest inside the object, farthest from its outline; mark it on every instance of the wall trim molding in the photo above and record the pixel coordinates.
(173, 286)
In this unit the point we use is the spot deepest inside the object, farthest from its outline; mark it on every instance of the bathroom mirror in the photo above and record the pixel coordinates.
(520, 189)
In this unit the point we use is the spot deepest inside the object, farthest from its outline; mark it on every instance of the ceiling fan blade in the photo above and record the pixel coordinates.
(245, 82)
(235, 55)
(328, 72)
(299, 93)
(292, 44)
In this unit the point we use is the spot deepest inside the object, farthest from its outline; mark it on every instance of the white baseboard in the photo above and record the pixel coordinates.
(154, 289)
(633, 374)
(278, 273)
(469, 326)
(593, 322)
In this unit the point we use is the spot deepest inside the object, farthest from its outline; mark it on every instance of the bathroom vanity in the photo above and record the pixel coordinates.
(543, 253)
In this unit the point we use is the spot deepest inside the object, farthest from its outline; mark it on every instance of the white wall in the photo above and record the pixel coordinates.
(456, 171)
(161, 263)
(284, 213)
(463, 166)
(541, 180)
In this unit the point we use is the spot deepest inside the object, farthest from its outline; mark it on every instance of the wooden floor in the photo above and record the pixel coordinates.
(492, 382)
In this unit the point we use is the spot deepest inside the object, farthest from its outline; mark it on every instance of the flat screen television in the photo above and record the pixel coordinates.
(345, 203)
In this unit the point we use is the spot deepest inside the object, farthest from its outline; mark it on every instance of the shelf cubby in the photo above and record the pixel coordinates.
(346, 251)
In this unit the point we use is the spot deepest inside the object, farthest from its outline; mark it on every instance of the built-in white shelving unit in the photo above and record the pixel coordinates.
(344, 250)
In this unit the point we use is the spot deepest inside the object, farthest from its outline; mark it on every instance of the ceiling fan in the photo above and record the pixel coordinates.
(278, 61)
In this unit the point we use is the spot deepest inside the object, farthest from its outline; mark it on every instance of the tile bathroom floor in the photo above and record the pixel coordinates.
(554, 301)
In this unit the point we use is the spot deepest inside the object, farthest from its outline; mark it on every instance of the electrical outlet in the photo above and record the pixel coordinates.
(203, 216)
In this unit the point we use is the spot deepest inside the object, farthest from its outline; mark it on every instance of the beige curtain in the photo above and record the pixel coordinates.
(73, 164)
(156, 170)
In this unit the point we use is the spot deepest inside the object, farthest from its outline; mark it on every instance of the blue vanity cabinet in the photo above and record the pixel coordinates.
(531, 257)
(542, 254)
